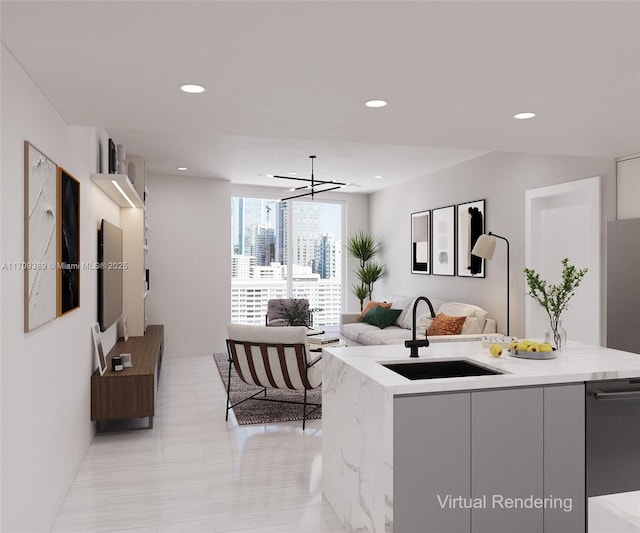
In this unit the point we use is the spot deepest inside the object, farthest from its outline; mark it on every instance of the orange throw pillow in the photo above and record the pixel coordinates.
(371, 304)
(446, 325)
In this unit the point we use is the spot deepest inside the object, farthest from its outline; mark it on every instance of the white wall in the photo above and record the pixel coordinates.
(46, 427)
(189, 263)
(501, 179)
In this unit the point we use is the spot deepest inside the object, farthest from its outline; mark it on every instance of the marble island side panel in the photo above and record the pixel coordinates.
(357, 431)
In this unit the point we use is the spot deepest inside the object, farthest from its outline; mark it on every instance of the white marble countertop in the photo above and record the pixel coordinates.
(581, 362)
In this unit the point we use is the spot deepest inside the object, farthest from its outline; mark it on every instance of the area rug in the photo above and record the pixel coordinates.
(261, 412)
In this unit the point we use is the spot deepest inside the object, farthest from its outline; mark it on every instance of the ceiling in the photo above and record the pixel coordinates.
(289, 79)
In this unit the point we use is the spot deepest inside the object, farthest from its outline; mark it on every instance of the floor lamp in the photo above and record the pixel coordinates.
(484, 248)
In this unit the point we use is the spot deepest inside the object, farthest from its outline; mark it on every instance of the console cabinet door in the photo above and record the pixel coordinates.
(431, 463)
(506, 459)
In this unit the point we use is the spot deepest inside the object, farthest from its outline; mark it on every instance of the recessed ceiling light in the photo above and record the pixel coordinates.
(292, 173)
(376, 103)
(377, 177)
(192, 88)
(182, 168)
(524, 116)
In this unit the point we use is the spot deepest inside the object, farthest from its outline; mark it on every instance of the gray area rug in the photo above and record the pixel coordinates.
(261, 412)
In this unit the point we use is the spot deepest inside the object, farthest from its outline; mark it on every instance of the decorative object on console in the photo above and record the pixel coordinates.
(555, 298)
(470, 228)
(68, 254)
(484, 247)
(443, 241)
(364, 247)
(116, 364)
(125, 331)
(97, 344)
(126, 360)
(40, 176)
(420, 242)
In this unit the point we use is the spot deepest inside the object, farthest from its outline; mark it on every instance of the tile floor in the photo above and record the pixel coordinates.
(194, 472)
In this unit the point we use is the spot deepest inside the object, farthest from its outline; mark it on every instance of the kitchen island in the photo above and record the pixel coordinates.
(502, 452)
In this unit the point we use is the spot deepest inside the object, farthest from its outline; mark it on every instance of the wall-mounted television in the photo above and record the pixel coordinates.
(110, 271)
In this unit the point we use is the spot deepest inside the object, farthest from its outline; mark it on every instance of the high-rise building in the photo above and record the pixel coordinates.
(328, 257)
(265, 245)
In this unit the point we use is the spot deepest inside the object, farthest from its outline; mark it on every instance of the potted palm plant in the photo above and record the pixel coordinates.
(365, 247)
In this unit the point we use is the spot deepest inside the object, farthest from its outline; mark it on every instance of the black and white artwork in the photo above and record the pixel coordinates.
(68, 242)
(443, 238)
(420, 242)
(470, 227)
(40, 175)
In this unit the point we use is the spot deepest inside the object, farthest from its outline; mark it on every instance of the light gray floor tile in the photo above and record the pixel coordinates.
(194, 472)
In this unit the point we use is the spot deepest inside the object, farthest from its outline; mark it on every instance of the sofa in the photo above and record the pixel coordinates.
(470, 322)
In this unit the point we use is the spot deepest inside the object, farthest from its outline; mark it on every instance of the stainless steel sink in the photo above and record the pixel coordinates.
(456, 368)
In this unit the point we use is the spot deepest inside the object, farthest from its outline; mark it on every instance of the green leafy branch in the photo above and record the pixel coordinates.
(555, 298)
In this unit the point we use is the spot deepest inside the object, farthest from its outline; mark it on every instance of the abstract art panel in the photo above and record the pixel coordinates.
(40, 174)
(420, 244)
(470, 227)
(68, 242)
(443, 238)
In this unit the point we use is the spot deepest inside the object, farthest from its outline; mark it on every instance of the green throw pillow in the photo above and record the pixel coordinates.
(381, 317)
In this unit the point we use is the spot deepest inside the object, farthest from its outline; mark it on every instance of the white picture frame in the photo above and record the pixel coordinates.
(443, 245)
(420, 242)
(470, 227)
(99, 350)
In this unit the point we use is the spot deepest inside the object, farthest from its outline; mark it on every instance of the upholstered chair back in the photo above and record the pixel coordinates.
(273, 357)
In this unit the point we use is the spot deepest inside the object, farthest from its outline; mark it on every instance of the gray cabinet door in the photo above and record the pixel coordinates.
(507, 459)
(431, 461)
(564, 458)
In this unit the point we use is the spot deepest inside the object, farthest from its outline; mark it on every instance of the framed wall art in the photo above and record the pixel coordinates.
(443, 233)
(40, 250)
(97, 344)
(470, 227)
(68, 271)
(420, 242)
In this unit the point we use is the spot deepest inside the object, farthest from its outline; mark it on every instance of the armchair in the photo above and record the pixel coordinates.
(277, 358)
(288, 312)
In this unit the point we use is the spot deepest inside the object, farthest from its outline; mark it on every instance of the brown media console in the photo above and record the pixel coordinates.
(132, 392)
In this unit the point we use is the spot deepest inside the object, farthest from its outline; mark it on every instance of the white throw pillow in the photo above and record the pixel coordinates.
(476, 316)
(406, 317)
(423, 322)
(401, 302)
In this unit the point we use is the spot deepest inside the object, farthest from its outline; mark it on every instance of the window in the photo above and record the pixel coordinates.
(282, 250)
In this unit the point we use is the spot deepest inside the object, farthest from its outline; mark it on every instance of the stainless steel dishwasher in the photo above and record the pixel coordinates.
(612, 436)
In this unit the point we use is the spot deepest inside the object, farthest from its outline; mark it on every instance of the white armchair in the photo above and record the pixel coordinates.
(277, 358)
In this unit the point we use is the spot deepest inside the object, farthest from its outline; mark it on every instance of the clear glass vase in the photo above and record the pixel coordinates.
(556, 335)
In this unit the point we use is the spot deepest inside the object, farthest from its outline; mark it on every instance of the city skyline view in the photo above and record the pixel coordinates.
(285, 249)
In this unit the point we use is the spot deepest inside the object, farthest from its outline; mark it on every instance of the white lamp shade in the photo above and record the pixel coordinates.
(484, 246)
